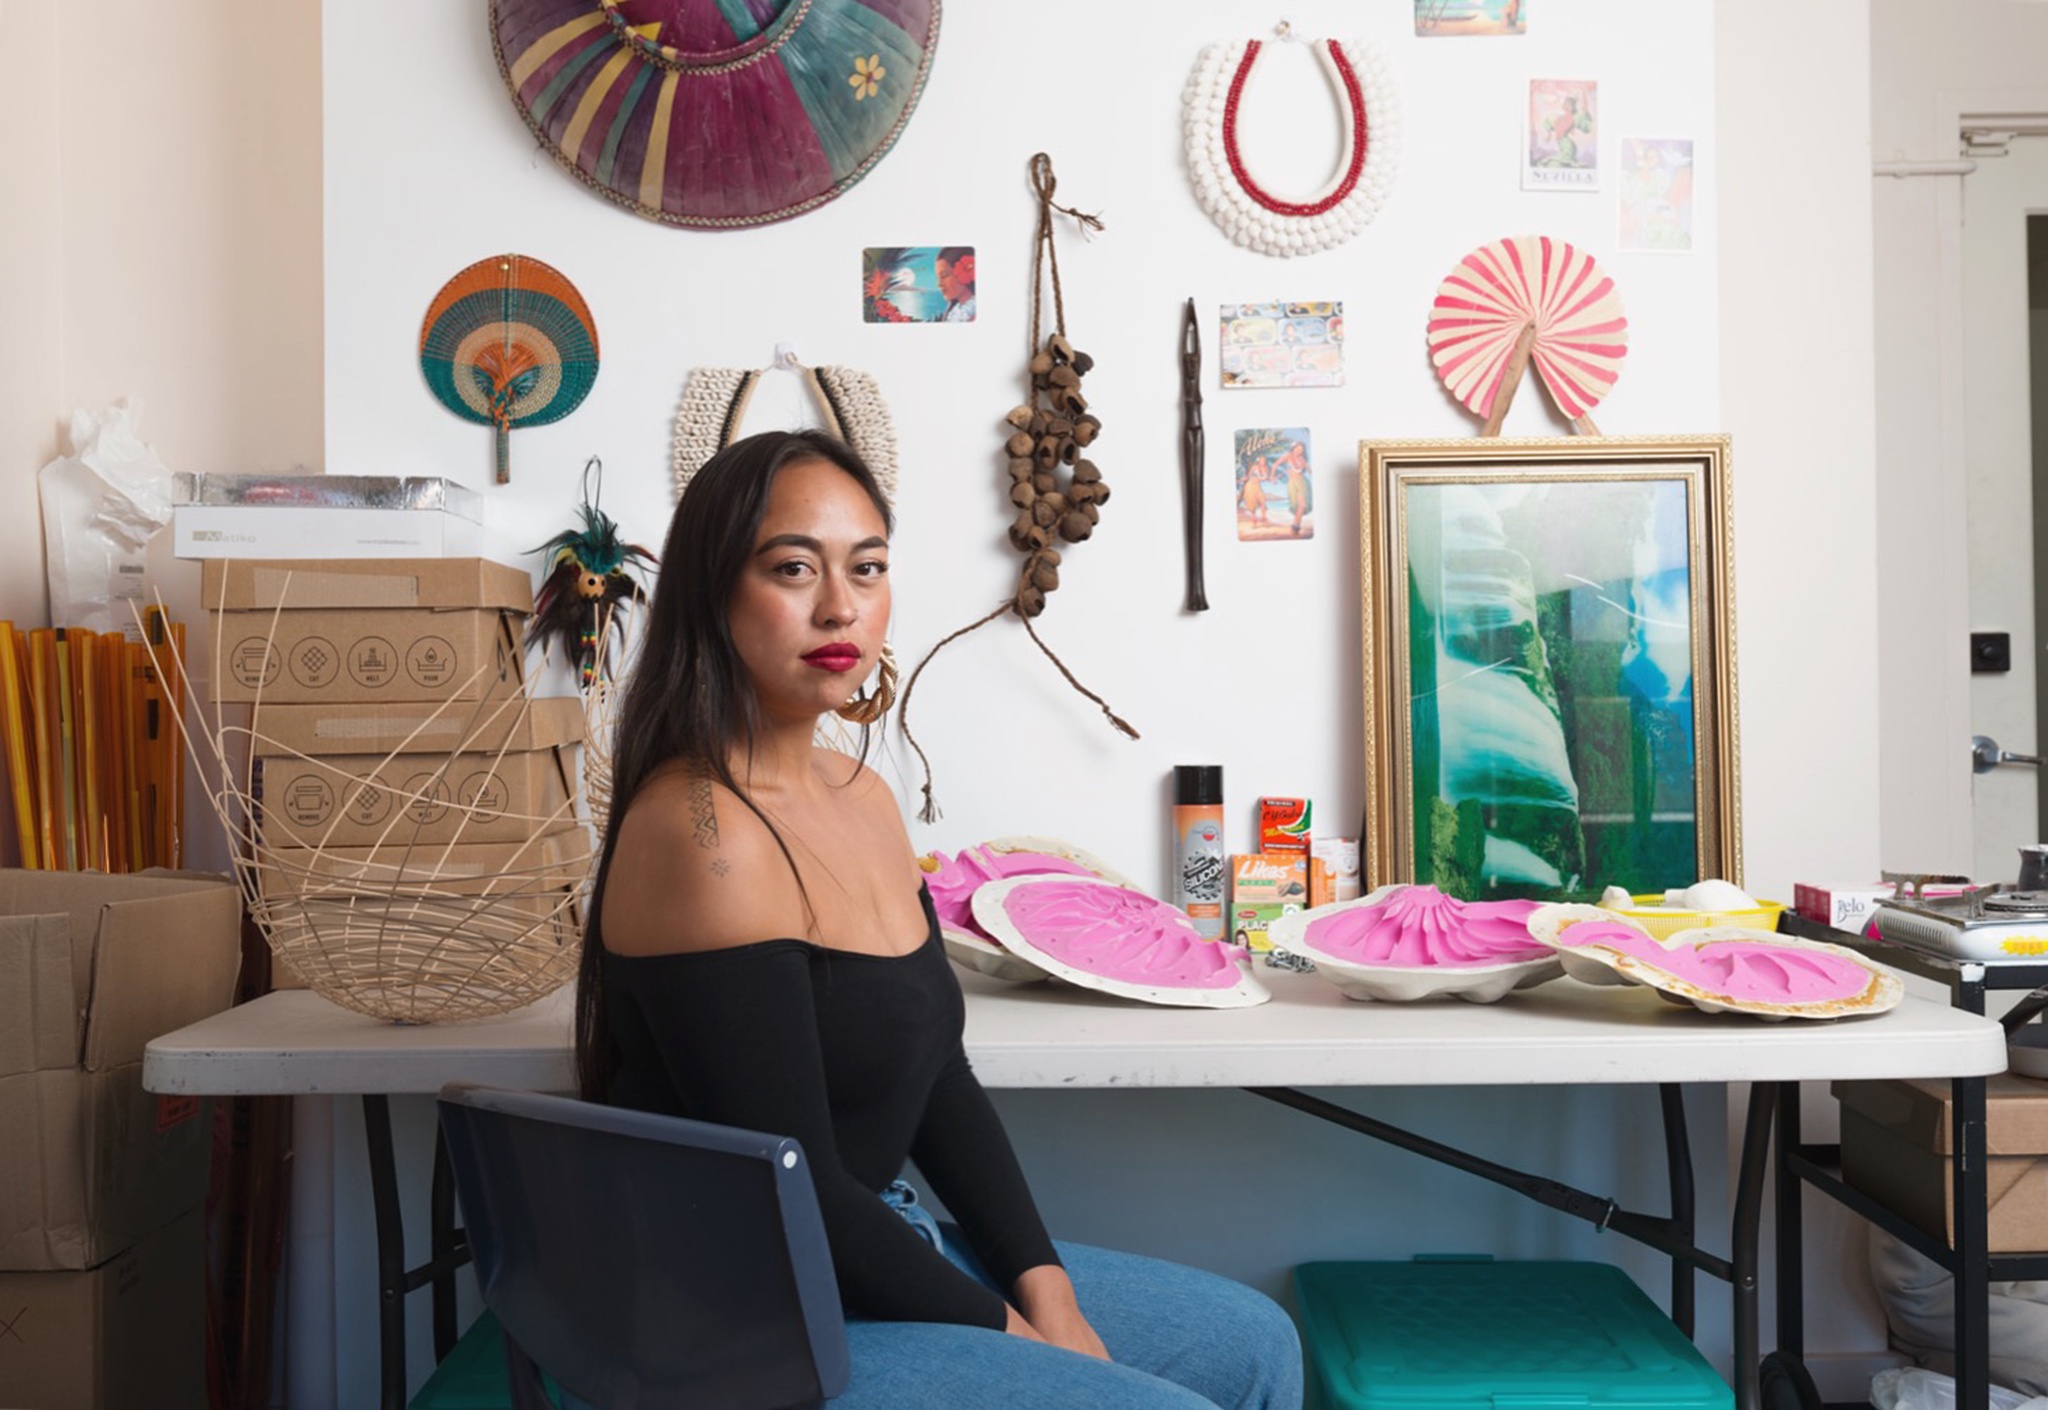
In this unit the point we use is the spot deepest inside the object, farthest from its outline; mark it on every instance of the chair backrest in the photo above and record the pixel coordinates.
(646, 1260)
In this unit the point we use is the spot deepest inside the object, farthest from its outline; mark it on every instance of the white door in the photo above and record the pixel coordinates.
(1997, 199)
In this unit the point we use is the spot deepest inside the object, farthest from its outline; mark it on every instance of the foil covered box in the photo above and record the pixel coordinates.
(325, 516)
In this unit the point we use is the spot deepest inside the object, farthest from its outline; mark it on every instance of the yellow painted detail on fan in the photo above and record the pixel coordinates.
(593, 98)
(550, 44)
(656, 163)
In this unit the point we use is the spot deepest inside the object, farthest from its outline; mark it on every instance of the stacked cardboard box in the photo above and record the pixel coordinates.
(392, 739)
(1898, 1139)
(102, 1268)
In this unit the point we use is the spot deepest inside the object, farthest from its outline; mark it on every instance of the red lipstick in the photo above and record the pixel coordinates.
(837, 656)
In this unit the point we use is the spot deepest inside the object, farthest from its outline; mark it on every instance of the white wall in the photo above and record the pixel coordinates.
(1998, 455)
(1797, 396)
(1930, 64)
(1280, 649)
(161, 242)
(1264, 684)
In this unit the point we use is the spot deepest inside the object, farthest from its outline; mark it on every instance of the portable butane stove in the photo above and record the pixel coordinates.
(1995, 922)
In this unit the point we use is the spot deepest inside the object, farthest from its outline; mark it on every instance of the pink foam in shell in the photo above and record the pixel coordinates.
(1418, 927)
(1751, 971)
(1118, 934)
(954, 883)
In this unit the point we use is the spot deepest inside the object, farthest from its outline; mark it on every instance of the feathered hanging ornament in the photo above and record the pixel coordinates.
(590, 586)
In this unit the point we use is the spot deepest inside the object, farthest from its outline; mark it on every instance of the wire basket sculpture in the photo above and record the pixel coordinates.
(403, 928)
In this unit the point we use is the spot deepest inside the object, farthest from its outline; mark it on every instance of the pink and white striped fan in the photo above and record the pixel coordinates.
(1501, 288)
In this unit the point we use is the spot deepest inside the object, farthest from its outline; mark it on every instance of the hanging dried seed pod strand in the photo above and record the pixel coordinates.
(1057, 493)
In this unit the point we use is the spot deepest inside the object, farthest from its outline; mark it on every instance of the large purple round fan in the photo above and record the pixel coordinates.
(716, 113)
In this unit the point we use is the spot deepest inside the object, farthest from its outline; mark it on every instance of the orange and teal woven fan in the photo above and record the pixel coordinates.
(509, 342)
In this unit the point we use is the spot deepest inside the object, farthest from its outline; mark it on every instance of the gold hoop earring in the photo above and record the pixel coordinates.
(866, 709)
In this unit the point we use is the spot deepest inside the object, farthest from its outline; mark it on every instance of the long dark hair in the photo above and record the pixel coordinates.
(688, 695)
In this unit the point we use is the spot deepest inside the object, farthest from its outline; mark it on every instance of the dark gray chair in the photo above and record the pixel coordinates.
(645, 1261)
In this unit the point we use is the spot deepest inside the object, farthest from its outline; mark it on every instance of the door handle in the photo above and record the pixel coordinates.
(1985, 755)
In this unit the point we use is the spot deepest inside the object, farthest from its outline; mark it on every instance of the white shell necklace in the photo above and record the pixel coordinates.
(1346, 203)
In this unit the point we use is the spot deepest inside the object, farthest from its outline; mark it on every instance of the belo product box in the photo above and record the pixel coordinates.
(315, 630)
(1897, 1136)
(91, 968)
(1849, 907)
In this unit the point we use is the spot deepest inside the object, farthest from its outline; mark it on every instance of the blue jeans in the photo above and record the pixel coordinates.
(1180, 1339)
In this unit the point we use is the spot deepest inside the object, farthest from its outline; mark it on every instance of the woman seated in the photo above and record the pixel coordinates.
(762, 953)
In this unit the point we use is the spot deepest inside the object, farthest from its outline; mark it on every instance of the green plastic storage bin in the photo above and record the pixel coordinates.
(1456, 1333)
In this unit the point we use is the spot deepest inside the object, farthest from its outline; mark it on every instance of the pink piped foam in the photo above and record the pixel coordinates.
(1118, 934)
(1751, 971)
(1420, 927)
(953, 885)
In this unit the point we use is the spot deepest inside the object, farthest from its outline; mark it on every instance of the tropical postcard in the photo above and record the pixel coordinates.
(917, 284)
(1448, 19)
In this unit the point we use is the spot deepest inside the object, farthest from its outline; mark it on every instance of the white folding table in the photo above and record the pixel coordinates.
(1043, 1036)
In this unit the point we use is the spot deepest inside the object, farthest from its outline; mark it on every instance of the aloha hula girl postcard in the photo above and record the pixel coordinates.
(1561, 137)
(917, 284)
(1275, 497)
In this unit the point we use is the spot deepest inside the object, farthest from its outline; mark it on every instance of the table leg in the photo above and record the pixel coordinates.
(1678, 1161)
(390, 1250)
(1972, 1239)
(1744, 1237)
(448, 1243)
(1791, 1277)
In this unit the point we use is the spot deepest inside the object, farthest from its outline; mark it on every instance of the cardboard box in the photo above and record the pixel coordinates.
(289, 531)
(1850, 907)
(91, 968)
(1268, 878)
(522, 786)
(371, 800)
(1283, 825)
(1896, 1140)
(1249, 920)
(346, 629)
(416, 727)
(1340, 855)
(127, 1333)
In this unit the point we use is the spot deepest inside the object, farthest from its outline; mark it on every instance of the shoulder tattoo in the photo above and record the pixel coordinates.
(703, 812)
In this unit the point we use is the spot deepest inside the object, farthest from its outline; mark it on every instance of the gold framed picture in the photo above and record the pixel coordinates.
(1549, 651)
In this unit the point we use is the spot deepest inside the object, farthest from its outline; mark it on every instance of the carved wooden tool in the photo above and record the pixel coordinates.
(1191, 448)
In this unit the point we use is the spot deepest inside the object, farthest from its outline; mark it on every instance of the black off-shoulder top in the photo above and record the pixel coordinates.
(859, 1057)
